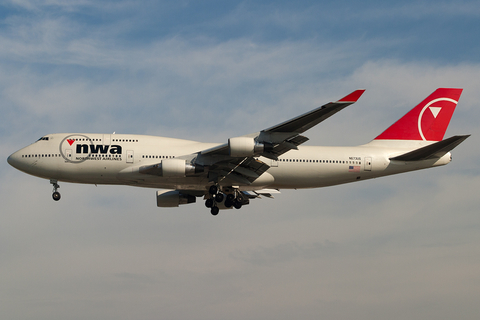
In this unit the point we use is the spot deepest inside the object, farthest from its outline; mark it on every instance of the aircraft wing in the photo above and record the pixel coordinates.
(307, 120)
(238, 159)
(286, 135)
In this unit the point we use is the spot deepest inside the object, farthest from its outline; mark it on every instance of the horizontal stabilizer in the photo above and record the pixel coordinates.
(435, 150)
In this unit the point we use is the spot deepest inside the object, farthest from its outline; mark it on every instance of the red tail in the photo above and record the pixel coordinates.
(428, 120)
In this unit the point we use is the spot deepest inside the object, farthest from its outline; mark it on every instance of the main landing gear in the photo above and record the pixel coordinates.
(235, 199)
(56, 194)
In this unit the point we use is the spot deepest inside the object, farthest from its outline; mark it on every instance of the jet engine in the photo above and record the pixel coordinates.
(244, 147)
(172, 168)
(168, 199)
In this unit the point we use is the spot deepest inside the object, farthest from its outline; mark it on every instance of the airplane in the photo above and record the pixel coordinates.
(230, 174)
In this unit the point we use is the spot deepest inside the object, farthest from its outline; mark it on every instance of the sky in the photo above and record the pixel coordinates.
(399, 247)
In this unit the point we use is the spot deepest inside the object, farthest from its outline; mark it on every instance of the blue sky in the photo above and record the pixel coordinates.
(398, 247)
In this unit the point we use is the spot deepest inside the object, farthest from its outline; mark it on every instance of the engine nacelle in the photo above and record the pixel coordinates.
(168, 199)
(244, 147)
(172, 168)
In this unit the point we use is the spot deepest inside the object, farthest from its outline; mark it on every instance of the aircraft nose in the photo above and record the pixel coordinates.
(13, 160)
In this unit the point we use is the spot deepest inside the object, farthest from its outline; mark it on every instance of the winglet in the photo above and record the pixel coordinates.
(352, 97)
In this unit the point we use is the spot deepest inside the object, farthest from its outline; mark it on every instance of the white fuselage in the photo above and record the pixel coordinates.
(116, 159)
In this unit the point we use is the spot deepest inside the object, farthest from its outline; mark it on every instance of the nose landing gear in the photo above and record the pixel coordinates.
(56, 194)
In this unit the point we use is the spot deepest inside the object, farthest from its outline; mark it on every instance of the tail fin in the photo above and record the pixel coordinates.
(428, 121)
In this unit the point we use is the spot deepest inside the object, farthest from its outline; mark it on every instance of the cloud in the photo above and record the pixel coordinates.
(234, 81)
(397, 247)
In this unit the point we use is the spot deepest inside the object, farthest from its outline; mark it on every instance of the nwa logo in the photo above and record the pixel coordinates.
(87, 149)
(98, 148)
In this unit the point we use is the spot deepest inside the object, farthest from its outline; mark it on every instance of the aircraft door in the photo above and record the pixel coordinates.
(129, 156)
(368, 164)
(274, 163)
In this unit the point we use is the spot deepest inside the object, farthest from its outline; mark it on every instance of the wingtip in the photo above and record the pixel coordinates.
(353, 97)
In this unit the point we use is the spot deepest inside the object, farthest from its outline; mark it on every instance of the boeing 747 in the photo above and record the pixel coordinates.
(254, 165)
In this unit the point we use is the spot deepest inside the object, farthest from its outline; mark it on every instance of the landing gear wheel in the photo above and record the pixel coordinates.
(209, 203)
(219, 197)
(229, 200)
(228, 203)
(56, 196)
(237, 204)
(214, 211)
(213, 189)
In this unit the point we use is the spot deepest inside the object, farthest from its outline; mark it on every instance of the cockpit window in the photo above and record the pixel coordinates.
(43, 138)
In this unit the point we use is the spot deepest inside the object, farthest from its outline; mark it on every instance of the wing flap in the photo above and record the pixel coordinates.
(288, 145)
(242, 170)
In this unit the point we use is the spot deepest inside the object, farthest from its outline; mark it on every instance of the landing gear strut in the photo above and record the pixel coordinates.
(215, 197)
(56, 194)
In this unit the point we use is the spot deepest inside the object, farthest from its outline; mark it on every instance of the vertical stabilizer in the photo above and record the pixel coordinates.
(428, 121)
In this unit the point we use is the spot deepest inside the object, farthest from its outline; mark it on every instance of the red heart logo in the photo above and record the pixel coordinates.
(70, 141)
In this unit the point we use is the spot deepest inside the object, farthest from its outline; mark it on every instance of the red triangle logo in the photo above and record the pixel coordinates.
(70, 141)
